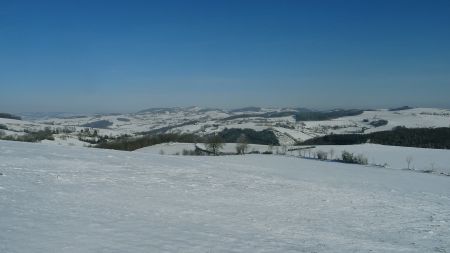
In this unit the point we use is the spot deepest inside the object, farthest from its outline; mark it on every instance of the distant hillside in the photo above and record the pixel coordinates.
(159, 110)
(98, 124)
(400, 108)
(326, 115)
(9, 116)
(246, 109)
(438, 138)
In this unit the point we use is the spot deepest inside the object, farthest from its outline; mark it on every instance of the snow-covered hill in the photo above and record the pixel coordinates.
(200, 121)
(420, 159)
(73, 199)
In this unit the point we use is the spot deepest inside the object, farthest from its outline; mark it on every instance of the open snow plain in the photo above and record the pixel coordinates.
(74, 199)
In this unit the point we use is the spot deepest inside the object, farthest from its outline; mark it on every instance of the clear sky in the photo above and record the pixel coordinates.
(104, 56)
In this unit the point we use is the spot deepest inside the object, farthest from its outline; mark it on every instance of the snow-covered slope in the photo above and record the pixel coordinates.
(394, 157)
(411, 118)
(281, 121)
(72, 199)
(421, 159)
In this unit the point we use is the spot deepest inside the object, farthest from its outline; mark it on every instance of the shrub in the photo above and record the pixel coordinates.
(191, 152)
(186, 152)
(322, 155)
(242, 144)
(348, 157)
(360, 159)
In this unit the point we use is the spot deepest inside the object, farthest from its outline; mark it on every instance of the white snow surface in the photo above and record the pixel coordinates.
(394, 157)
(74, 199)
(422, 159)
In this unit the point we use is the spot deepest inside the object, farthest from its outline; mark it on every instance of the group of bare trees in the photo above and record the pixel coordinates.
(215, 143)
(346, 157)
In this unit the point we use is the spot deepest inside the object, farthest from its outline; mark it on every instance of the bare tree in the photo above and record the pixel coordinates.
(331, 154)
(409, 159)
(322, 155)
(432, 166)
(284, 149)
(242, 144)
(214, 144)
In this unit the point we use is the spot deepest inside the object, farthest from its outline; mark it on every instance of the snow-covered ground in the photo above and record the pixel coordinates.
(421, 159)
(394, 157)
(74, 199)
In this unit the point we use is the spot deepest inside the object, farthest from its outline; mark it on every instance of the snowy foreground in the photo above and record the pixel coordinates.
(73, 199)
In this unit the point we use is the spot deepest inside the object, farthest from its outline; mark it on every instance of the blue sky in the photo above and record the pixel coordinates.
(100, 56)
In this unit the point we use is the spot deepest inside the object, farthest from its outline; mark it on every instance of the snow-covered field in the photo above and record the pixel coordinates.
(421, 159)
(394, 157)
(74, 199)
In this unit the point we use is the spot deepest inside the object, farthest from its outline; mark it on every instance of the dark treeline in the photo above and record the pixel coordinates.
(325, 115)
(99, 124)
(133, 143)
(260, 115)
(162, 130)
(9, 116)
(438, 138)
(264, 137)
(36, 136)
(400, 108)
(301, 115)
